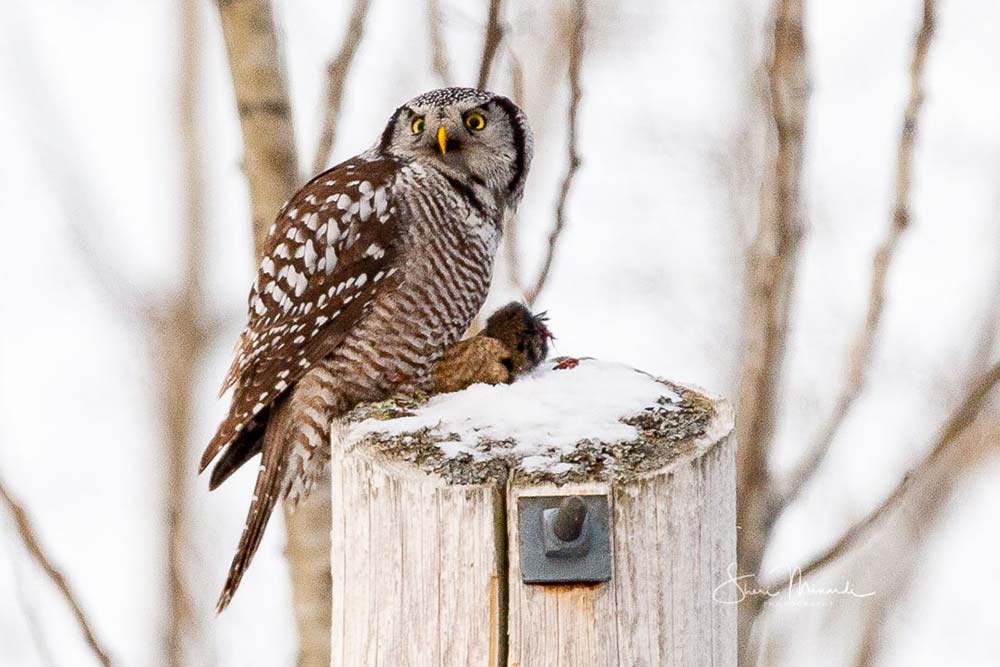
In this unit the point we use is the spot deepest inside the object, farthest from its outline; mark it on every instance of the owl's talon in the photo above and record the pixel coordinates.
(476, 360)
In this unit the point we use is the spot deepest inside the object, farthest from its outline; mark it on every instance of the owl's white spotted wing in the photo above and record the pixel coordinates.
(330, 251)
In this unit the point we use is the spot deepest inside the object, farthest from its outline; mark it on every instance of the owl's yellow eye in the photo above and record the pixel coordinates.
(475, 121)
(418, 125)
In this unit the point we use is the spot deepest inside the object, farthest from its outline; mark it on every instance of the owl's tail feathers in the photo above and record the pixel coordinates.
(234, 456)
(233, 437)
(224, 435)
(265, 496)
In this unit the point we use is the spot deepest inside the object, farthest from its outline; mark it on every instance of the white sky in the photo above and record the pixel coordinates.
(649, 271)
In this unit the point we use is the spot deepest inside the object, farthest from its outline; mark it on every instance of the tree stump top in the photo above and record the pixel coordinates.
(598, 421)
(447, 550)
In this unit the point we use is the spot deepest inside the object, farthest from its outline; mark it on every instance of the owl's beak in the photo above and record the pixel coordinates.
(442, 137)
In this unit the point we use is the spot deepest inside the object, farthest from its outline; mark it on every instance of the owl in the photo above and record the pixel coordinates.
(372, 270)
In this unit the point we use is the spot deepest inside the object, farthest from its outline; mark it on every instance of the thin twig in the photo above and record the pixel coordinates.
(439, 51)
(770, 281)
(494, 33)
(31, 543)
(576, 45)
(962, 418)
(516, 77)
(987, 340)
(861, 353)
(511, 246)
(336, 79)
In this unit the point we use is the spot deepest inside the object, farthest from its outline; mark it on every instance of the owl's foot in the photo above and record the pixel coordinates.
(471, 361)
(513, 342)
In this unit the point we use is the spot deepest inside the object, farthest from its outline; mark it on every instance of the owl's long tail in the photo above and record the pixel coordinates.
(295, 451)
(266, 494)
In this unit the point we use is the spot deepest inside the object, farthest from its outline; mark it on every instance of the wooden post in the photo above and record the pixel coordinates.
(426, 566)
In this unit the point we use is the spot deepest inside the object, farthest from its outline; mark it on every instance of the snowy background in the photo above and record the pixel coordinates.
(650, 273)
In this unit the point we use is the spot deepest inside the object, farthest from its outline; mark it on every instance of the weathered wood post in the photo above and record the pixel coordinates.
(443, 511)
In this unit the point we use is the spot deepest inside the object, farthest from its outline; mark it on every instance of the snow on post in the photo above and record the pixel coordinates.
(427, 545)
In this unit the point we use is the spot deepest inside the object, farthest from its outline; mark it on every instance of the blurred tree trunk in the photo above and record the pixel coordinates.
(308, 554)
(770, 279)
(261, 91)
(179, 349)
(270, 163)
(180, 336)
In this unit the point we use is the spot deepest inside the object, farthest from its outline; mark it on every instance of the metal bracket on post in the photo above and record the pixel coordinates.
(564, 539)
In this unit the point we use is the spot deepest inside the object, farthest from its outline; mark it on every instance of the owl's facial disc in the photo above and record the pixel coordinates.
(477, 136)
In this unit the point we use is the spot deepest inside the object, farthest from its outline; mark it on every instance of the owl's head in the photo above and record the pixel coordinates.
(476, 135)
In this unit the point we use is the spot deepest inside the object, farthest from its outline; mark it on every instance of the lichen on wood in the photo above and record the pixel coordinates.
(666, 429)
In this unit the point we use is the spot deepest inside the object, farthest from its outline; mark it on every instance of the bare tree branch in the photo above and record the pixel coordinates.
(439, 51)
(861, 353)
(770, 281)
(262, 101)
(336, 79)
(578, 20)
(966, 413)
(924, 511)
(34, 547)
(920, 516)
(491, 41)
